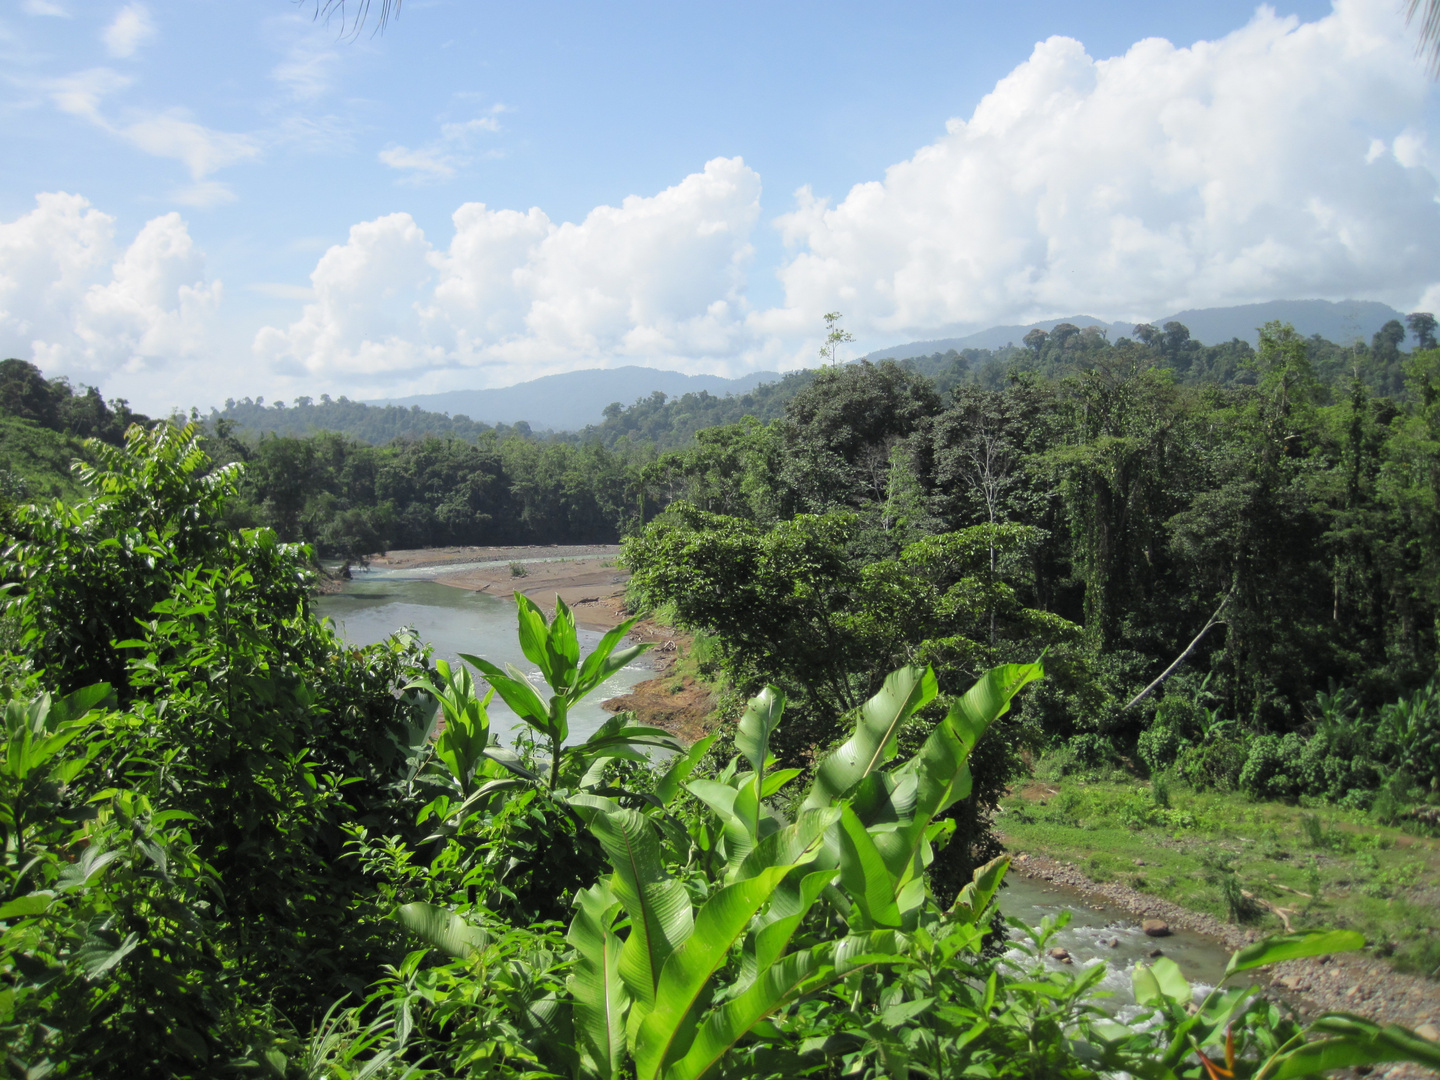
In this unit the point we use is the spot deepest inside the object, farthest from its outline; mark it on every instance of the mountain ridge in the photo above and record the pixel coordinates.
(1340, 321)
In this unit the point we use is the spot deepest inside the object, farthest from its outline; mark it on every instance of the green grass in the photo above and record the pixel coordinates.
(1195, 852)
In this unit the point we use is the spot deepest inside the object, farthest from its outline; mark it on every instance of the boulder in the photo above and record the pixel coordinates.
(1155, 928)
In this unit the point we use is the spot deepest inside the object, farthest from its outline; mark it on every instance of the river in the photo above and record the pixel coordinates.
(379, 602)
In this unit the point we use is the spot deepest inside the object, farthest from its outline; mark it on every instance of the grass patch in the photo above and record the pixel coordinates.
(1327, 866)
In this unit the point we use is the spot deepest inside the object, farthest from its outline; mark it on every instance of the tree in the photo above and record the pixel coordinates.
(1422, 325)
(834, 337)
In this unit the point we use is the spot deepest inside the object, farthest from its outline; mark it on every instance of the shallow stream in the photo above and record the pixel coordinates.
(1093, 926)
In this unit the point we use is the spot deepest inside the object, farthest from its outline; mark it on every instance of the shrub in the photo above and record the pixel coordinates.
(1212, 765)
(1092, 751)
(1158, 746)
(1270, 767)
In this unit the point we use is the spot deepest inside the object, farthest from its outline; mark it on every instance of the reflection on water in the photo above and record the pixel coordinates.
(1202, 960)
(458, 620)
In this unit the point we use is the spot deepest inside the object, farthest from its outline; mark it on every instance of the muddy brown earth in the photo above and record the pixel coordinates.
(1346, 982)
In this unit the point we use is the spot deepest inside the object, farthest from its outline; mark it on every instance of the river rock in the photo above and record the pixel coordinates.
(1153, 953)
(1063, 955)
(1155, 928)
(1428, 1031)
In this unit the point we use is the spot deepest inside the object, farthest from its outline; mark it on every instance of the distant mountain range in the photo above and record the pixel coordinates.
(1341, 322)
(575, 399)
(570, 401)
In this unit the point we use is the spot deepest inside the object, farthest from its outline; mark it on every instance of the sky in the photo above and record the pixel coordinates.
(205, 199)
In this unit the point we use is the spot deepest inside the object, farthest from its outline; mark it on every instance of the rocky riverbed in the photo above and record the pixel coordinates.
(1347, 982)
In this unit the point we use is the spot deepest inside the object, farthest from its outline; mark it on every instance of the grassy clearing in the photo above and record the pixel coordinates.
(1205, 850)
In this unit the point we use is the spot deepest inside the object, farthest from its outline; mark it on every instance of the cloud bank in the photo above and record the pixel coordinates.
(78, 304)
(1285, 160)
(658, 279)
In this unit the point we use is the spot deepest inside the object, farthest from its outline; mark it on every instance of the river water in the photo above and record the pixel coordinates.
(1094, 926)
(377, 603)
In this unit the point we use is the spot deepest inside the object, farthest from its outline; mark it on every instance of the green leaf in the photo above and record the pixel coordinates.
(658, 905)
(442, 929)
(32, 904)
(101, 952)
(1282, 947)
(989, 699)
(515, 690)
(732, 1021)
(600, 998)
(1161, 981)
(1355, 1041)
(975, 897)
(864, 876)
(762, 717)
(873, 743)
(680, 769)
(666, 1032)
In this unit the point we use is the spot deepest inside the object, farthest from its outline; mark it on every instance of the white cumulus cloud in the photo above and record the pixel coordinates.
(76, 303)
(1283, 160)
(131, 28)
(658, 279)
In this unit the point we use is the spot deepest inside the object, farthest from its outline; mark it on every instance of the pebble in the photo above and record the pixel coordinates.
(1063, 955)
(1428, 1031)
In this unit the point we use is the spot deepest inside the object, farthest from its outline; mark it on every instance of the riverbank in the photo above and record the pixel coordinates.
(1290, 867)
(1348, 982)
(588, 577)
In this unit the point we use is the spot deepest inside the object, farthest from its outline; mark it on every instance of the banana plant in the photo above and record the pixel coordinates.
(668, 984)
(554, 648)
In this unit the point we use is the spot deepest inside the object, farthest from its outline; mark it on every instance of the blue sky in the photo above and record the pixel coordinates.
(205, 198)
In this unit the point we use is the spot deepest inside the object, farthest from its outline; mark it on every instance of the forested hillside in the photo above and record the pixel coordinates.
(234, 845)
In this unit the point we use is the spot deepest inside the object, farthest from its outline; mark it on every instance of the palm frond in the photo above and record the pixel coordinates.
(1429, 44)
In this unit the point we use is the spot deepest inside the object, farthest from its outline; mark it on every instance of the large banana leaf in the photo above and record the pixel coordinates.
(600, 997)
(685, 982)
(657, 904)
(869, 882)
(732, 1021)
(442, 929)
(873, 743)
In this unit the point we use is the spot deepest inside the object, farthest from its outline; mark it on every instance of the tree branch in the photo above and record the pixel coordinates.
(1214, 620)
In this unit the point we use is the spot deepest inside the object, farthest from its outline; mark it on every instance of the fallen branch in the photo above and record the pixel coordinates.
(1213, 621)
